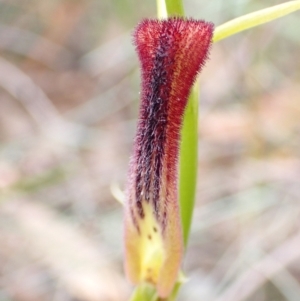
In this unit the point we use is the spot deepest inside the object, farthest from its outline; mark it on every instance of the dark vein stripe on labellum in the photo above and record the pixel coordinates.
(152, 129)
(171, 53)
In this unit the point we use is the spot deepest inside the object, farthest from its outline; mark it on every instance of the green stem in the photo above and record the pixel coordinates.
(188, 161)
(144, 292)
(174, 8)
(161, 9)
(167, 8)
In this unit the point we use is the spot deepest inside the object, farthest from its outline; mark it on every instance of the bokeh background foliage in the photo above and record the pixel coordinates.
(69, 95)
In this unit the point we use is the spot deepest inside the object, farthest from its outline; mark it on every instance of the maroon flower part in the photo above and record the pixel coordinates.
(171, 54)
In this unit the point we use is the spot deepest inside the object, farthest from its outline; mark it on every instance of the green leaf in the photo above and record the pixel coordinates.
(254, 19)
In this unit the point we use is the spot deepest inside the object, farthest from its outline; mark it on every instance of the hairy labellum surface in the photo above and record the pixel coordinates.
(171, 53)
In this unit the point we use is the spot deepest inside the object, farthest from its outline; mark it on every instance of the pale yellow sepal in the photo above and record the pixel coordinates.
(151, 246)
(153, 255)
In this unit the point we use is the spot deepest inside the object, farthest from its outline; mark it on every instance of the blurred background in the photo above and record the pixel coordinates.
(69, 96)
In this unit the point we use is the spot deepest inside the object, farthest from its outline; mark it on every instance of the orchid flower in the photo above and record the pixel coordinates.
(171, 54)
